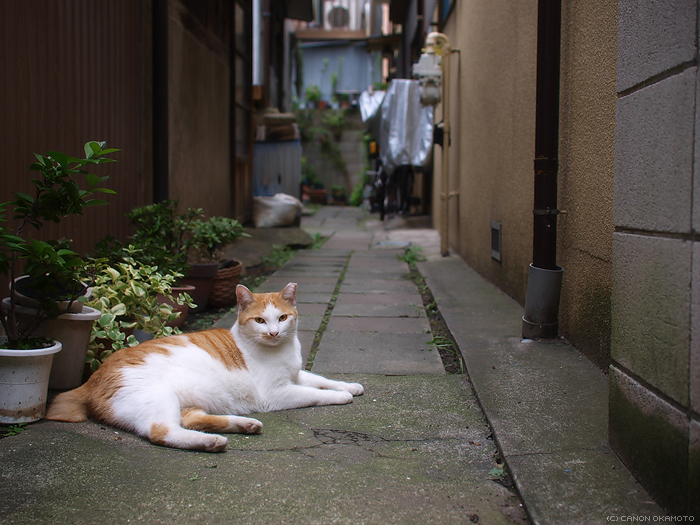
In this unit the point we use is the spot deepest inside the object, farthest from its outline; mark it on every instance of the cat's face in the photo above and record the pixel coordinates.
(267, 318)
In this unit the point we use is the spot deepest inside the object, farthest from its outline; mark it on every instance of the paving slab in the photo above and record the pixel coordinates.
(408, 299)
(377, 353)
(312, 308)
(275, 286)
(323, 298)
(360, 463)
(545, 401)
(384, 324)
(379, 286)
(379, 310)
(310, 322)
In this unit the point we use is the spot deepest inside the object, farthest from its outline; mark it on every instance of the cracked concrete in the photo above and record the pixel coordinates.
(415, 448)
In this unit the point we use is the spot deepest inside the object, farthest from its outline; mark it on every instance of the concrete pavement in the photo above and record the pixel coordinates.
(420, 446)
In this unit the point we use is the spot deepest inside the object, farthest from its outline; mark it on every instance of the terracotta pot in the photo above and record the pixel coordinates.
(201, 276)
(182, 308)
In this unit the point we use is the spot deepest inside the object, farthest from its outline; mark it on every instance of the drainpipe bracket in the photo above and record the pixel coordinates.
(548, 211)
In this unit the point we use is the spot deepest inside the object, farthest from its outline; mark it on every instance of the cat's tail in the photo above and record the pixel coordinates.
(71, 406)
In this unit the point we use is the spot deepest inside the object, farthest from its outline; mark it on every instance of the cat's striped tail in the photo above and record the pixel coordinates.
(70, 406)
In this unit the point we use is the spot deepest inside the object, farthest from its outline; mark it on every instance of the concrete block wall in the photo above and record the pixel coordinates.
(655, 339)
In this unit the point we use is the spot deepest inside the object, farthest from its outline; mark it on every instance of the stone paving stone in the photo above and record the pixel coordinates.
(309, 272)
(323, 298)
(310, 322)
(312, 268)
(302, 281)
(278, 285)
(377, 353)
(375, 286)
(375, 273)
(388, 299)
(306, 338)
(312, 308)
(379, 310)
(383, 324)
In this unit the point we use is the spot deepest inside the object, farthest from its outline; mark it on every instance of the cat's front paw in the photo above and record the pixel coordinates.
(214, 443)
(342, 397)
(356, 389)
(251, 427)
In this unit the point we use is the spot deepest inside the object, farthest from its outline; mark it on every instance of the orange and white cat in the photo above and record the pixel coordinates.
(177, 391)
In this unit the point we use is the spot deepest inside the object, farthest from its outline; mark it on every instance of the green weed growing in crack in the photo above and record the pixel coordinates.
(326, 316)
(411, 255)
(445, 344)
(12, 430)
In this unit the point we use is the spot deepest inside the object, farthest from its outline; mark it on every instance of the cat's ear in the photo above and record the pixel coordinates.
(244, 296)
(289, 293)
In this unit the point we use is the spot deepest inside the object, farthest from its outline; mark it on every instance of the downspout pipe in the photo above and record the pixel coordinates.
(541, 319)
(160, 99)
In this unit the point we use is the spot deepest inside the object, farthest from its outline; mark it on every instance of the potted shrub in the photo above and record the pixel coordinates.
(313, 95)
(131, 295)
(52, 270)
(183, 243)
(207, 239)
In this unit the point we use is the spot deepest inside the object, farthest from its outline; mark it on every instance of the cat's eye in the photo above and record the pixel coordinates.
(283, 317)
(260, 320)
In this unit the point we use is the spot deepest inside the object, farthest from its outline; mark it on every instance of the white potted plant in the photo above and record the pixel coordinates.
(25, 358)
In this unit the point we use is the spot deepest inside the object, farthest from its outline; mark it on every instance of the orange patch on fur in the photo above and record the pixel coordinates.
(158, 434)
(197, 419)
(219, 343)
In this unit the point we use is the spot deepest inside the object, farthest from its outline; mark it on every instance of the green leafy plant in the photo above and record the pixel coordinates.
(206, 238)
(312, 93)
(52, 267)
(411, 255)
(12, 430)
(169, 240)
(128, 293)
(335, 121)
(161, 235)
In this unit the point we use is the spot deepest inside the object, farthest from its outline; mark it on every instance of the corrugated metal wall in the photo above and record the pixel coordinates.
(72, 71)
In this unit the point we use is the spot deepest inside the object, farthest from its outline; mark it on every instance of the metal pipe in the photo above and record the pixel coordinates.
(432, 40)
(544, 246)
(541, 317)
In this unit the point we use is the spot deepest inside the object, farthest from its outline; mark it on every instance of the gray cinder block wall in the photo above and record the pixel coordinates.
(655, 346)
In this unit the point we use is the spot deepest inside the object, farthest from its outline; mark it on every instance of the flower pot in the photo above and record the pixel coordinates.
(223, 290)
(182, 308)
(73, 331)
(24, 383)
(25, 296)
(201, 276)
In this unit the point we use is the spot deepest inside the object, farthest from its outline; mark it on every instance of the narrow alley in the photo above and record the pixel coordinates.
(415, 448)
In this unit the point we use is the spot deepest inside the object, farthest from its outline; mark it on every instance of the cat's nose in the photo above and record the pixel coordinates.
(273, 334)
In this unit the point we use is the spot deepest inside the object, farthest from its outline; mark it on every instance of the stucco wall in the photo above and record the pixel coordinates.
(493, 122)
(655, 374)
(586, 169)
(199, 139)
(491, 158)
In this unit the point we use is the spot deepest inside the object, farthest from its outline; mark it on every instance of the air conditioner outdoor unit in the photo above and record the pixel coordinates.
(342, 14)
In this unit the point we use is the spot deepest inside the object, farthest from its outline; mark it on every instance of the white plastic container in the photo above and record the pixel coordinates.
(24, 383)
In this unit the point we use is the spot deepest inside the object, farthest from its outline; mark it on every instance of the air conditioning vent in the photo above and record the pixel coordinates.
(496, 241)
(342, 14)
(338, 17)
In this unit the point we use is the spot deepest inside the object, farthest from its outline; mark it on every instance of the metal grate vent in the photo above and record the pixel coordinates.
(496, 241)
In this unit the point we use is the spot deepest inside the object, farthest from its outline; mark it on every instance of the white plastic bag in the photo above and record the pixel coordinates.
(277, 211)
